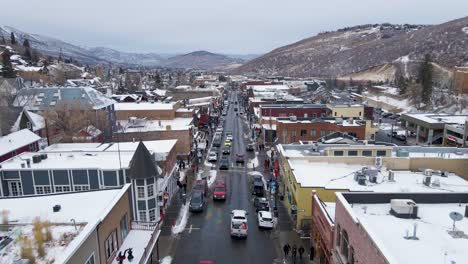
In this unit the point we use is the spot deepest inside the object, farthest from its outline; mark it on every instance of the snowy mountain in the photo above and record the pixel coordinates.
(202, 60)
(102, 55)
(367, 52)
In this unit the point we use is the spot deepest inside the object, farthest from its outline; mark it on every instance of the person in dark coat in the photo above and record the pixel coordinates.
(301, 251)
(294, 251)
(286, 249)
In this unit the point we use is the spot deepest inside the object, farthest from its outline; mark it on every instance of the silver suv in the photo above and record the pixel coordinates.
(239, 226)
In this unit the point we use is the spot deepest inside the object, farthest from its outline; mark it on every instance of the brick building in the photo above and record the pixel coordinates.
(299, 110)
(293, 129)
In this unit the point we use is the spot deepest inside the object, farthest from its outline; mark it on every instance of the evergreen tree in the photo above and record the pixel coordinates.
(7, 70)
(360, 88)
(425, 79)
(402, 84)
(27, 50)
(12, 38)
(3, 41)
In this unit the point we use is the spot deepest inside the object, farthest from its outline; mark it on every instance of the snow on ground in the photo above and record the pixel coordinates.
(181, 220)
(253, 162)
(212, 177)
(166, 260)
(403, 104)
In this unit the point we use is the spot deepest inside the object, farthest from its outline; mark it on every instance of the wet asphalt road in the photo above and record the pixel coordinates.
(207, 234)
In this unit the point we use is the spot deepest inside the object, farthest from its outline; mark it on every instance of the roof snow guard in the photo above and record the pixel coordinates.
(142, 165)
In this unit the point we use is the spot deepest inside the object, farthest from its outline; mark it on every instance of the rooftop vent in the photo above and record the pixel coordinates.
(56, 208)
(428, 172)
(36, 158)
(427, 181)
(391, 176)
(293, 118)
(404, 208)
(466, 211)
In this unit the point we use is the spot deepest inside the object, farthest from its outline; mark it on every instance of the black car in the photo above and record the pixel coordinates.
(224, 163)
(240, 158)
(235, 109)
(258, 189)
(226, 151)
(197, 202)
(261, 204)
(250, 147)
(401, 137)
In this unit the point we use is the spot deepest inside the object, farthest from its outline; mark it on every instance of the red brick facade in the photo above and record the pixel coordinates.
(290, 131)
(300, 111)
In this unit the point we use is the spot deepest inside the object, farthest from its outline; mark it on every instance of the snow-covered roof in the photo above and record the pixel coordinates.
(201, 100)
(108, 160)
(341, 176)
(268, 88)
(45, 97)
(16, 140)
(37, 121)
(138, 241)
(23, 210)
(435, 244)
(144, 106)
(440, 118)
(124, 126)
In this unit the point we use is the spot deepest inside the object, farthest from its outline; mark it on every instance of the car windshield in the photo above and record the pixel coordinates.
(219, 189)
(196, 199)
(267, 219)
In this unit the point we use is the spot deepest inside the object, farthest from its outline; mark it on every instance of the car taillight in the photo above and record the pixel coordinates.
(232, 231)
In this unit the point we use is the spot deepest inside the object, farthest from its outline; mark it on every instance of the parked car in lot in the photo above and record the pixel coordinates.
(265, 219)
(224, 163)
(240, 158)
(226, 150)
(212, 156)
(261, 204)
(219, 191)
(239, 226)
(250, 147)
(197, 202)
(201, 186)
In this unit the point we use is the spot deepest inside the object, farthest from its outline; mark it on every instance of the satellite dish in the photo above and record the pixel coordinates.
(456, 216)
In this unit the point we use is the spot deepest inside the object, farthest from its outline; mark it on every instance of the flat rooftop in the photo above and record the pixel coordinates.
(435, 244)
(124, 126)
(108, 160)
(143, 106)
(23, 210)
(341, 176)
(311, 120)
(439, 118)
(294, 106)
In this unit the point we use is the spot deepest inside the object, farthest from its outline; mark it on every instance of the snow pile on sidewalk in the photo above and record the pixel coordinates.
(166, 260)
(212, 177)
(253, 162)
(181, 220)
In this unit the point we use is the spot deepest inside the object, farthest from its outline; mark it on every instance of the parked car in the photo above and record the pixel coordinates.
(261, 204)
(258, 189)
(235, 109)
(197, 202)
(401, 137)
(240, 158)
(250, 147)
(224, 113)
(392, 134)
(226, 150)
(224, 163)
(227, 143)
(212, 156)
(239, 226)
(214, 149)
(219, 192)
(201, 186)
(229, 137)
(265, 219)
(257, 179)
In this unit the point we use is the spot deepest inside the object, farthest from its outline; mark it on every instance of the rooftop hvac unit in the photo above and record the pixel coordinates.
(36, 158)
(404, 208)
(43, 156)
(436, 183)
(428, 172)
(378, 161)
(427, 180)
(360, 178)
(293, 118)
(56, 208)
(391, 176)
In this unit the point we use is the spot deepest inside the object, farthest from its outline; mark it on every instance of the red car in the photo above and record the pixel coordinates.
(219, 192)
(201, 186)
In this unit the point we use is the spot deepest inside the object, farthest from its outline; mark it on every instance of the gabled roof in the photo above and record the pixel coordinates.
(142, 165)
(17, 140)
(37, 121)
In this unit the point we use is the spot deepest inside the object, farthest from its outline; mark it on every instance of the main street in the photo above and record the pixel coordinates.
(207, 236)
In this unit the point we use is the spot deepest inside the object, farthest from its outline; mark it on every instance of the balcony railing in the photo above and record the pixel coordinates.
(147, 226)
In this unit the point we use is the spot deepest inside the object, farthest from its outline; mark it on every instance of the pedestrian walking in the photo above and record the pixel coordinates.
(286, 249)
(207, 143)
(294, 252)
(312, 252)
(301, 251)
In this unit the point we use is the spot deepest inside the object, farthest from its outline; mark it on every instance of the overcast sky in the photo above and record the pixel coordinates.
(225, 26)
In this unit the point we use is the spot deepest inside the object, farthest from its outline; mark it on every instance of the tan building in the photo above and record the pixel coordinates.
(347, 111)
(460, 77)
(82, 233)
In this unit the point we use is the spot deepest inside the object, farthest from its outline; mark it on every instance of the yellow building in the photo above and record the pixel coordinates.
(334, 169)
(347, 111)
